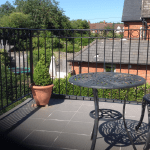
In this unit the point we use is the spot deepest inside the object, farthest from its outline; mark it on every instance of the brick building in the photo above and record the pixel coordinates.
(124, 57)
(136, 18)
(103, 25)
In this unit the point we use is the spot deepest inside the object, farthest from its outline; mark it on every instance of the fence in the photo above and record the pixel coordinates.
(80, 51)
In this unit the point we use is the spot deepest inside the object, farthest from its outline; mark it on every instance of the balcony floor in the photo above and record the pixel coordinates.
(66, 125)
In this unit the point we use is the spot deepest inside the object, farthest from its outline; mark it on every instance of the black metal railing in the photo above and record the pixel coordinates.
(76, 51)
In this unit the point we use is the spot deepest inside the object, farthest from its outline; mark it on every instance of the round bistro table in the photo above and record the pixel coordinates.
(106, 80)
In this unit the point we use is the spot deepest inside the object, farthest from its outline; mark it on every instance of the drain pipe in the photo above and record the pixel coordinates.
(144, 21)
(79, 63)
(128, 28)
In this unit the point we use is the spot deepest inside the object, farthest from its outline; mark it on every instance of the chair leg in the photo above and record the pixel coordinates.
(147, 144)
(142, 114)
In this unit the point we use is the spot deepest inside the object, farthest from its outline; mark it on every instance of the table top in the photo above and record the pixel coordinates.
(147, 98)
(107, 80)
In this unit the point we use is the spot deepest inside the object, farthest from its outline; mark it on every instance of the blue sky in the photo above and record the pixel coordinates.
(92, 10)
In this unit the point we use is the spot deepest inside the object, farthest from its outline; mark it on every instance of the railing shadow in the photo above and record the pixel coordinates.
(13, 118)
(115, 134)
(10, 120)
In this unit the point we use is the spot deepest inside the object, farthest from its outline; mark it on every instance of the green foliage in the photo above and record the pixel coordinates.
(120, 35)
(41, 75)
(70, 47)
(107, 93)
(79, 24)
(12, 87)
(110, 33)
(84, 41)
(6, 9)
(6, 77)
(16, 20)
(45, 40)
(45, 14)
(13, 105)
(35, 14)
(38, 53)
(4, 58)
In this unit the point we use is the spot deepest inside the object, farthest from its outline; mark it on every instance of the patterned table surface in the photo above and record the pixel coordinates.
(107, 80)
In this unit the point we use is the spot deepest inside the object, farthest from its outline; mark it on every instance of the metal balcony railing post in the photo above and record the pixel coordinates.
(31, 57)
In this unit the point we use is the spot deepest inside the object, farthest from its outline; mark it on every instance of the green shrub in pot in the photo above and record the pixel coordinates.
(42, 86)
(41, 76)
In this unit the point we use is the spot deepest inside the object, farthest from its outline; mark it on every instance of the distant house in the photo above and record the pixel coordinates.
(136, 15)
(95, 58)
(118, 27)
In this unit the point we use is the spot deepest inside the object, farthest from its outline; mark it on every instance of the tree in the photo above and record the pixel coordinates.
(6, 9)
(44, 13)
(110, 33)
(79, 24)
(16, 20)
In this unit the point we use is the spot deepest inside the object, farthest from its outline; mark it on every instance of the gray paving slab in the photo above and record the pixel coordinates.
(71, 141)
(82, 117)
(41, 138)
(79, 128)
(42, 114)
(56, 148)
(86, 108)
(31, 123)
(101, 145)
(62, 115)
(35, 147)
(66, 124)
(18, 135)
(53, 125)
(68, 107)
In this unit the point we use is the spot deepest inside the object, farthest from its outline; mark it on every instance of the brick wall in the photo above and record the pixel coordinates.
(84, 67)
(124, 69)
(133, 70)
(136, 26)
(132, 33)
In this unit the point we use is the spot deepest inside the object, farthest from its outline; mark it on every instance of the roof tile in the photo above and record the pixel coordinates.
(91, 54)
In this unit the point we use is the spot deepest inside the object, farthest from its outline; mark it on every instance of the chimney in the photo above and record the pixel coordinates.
(104, 21)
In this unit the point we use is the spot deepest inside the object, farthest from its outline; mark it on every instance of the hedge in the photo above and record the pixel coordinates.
(107, 93)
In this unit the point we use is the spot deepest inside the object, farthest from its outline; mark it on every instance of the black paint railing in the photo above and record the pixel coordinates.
(76, 51)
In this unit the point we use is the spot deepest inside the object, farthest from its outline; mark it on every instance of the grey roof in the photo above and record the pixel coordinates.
(90, 52)
(132, 10)
(145, 9)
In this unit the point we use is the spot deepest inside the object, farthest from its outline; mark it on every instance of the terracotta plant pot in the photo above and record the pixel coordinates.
(41, 94)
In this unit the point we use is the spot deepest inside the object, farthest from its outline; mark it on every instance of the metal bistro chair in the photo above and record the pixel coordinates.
(146, 101)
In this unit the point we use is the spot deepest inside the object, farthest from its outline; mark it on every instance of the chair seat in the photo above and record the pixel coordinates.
(147, 98)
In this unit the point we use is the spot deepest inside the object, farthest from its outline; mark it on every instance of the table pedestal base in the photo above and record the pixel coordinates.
(107, 115)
